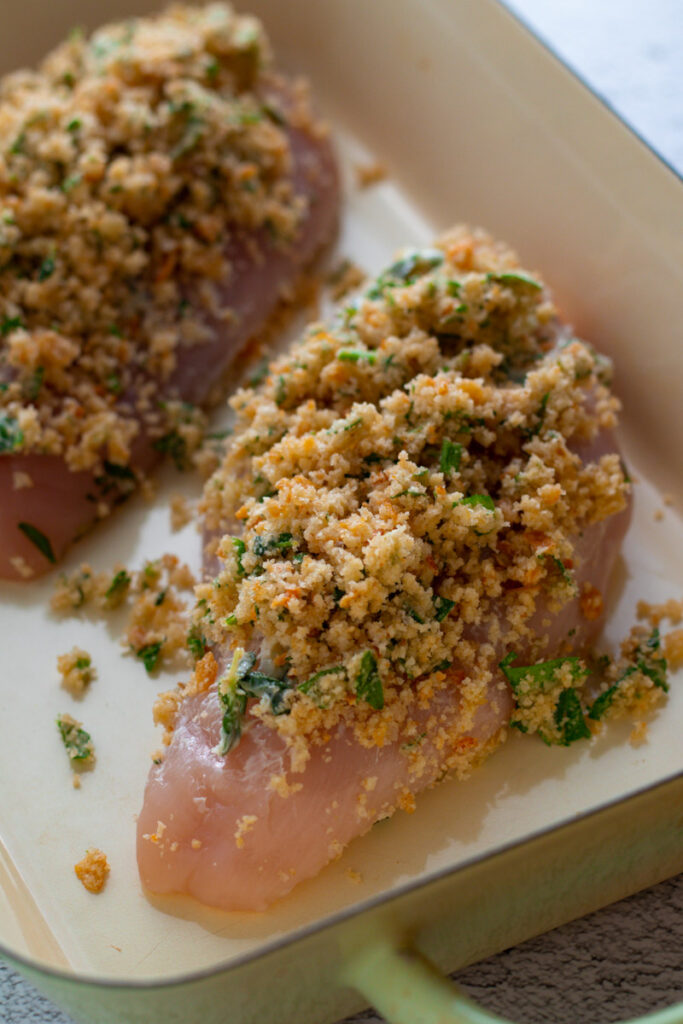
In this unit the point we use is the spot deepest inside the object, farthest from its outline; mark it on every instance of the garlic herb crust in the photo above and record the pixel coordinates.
(405, 491)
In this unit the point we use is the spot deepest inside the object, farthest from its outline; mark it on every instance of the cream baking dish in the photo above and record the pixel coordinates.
(475, 121)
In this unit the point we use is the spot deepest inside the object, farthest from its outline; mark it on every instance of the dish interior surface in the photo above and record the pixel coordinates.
(475, 132)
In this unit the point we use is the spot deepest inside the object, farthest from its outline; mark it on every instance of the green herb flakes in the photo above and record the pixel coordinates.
(150, 654)
(239, 547)
(118, 587)
(346, 355)
(449, 459)
(39, 540)
(368, 682)
(443, 606)
(236, 686)
(47, 268)
(541, 674)
(77, 742)
(480, 499)
(569, 718)
(11, 434)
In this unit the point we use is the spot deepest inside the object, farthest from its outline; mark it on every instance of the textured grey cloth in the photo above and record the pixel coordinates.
(619, 963)
(628, 959)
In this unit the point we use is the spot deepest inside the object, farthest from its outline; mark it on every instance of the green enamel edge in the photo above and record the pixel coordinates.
(407, 989)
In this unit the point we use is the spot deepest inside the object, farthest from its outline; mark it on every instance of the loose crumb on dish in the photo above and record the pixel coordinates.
(77, 742)
(638, 734)
(93, 870)
(77, 671)
(371, 173)
(354, 876)
(654, 613)
(157, 629)
(181, 512)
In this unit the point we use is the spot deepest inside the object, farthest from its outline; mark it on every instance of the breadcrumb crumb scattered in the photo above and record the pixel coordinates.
(93, 870)
(77, 671)
(181, 512)
(368, 174)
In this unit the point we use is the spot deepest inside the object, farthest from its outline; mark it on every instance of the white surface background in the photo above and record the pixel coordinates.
(625, 960)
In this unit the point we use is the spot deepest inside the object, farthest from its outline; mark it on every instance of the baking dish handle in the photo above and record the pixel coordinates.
(406, 989)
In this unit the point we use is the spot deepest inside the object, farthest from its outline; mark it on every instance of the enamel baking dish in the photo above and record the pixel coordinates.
(475, 121)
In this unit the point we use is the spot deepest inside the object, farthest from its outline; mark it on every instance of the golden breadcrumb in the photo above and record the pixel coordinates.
(127, 161)
(370, 174)
(431, 425)
(77, 671)
(93, 870)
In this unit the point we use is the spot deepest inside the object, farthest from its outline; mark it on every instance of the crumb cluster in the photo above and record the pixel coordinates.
(157, 629)
(93, 870)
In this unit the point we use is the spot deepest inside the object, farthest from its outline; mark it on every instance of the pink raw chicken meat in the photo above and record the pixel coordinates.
(206, 802)
(58, 503)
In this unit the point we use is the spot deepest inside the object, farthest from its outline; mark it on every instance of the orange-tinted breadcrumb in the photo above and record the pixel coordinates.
(93, 870)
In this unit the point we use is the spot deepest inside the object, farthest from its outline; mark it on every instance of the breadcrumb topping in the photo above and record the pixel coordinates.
(128, 162)
(403, 477)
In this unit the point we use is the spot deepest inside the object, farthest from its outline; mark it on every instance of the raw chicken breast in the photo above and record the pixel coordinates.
(49, 500)
(430, 502)
(240, 831)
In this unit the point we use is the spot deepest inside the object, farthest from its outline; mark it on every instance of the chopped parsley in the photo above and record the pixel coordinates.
(569, 718)
(196, 643)
(646, 662)
(368, 682)
(11, 434)
(10, 323)
(240, 682)
(239, 547)
(173, 445)
(406, 270)
(480, 499)
(443, 607)
(310, 684)
(415, 263)
(281, 391)
(77, 742)
(47, 268)
(348, 355)
(515, 277)
(282, 542)
(38, 538)
(149, 655)
(449, 459)
(567, 723)
(541, 674)
(118, 586)
(564, 572)
(533, 431)
(602, 703)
